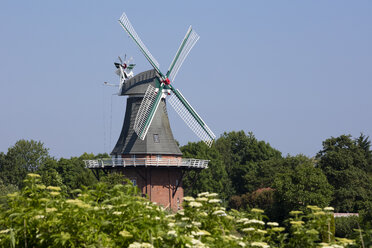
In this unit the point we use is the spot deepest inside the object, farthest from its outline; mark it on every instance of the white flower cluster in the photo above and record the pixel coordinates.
(242, 220)
(172, 233)
(140, 245)
(188, 198)
(219, 213)
(328, 209)
(195, 243)
(272, 224)
(195, 204)
(202, 199)
(260, 222)
(260, 244)
(203, 194)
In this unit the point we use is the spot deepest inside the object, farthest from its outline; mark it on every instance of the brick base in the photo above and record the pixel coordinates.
(162, 185)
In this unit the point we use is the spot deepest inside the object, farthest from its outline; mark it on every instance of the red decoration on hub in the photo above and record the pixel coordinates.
(166, 81)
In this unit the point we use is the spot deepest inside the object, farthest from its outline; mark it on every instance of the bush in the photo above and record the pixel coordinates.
(345, 226)
(103, 216)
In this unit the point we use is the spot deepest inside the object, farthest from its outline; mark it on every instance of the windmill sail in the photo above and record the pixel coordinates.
(125, 23)
(191, 118)
(153, 95)
(187, 44)
(147, 110)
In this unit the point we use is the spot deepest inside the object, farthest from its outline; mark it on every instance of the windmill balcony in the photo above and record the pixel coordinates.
(146, 162)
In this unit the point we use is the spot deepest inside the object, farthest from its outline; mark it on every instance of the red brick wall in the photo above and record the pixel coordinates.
(158, 183)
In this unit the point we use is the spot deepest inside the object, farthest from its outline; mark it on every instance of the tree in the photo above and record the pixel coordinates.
(49, 174)
(73, 172)
(364, 143)
(345, 163)
(241, 154)
(212, 179)
(300, 185)
(22, 158)
(239, 148)
(6, 189)
(262, 174)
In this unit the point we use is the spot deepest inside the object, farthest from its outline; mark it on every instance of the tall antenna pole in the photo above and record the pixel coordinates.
(111, 120)
(104, 119)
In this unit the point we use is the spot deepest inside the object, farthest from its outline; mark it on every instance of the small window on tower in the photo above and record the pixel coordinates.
(134, 181)
(156, 138)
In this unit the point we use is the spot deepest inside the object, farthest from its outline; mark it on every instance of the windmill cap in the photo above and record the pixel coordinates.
(138, 84)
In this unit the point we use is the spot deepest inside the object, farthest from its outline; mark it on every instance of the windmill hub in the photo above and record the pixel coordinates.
(166, 81)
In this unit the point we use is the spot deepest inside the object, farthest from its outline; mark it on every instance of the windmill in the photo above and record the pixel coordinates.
(146, 151)
(153, 95)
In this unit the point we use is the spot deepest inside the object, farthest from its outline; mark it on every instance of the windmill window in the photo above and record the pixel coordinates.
(156, 138)
(134, 181)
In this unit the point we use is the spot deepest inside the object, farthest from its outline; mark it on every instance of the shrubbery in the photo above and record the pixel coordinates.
(345, 226)
(103, 216)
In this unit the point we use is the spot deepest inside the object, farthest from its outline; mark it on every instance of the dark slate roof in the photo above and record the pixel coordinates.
(128, 142)
(138, 84)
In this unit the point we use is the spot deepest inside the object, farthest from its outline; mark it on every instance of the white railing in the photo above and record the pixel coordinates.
(134, 162)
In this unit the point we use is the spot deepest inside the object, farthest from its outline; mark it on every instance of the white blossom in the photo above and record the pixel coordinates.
(254, 222)
(189, 198)
(172, 233)
(219, 213)
(195, 204)
(272, 224)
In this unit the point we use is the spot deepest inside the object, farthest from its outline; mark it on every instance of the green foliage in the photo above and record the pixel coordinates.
(239, 148)
(22, 158)
(214, 178)
(239, 164)
(262, 198)
(301, 185)
(316, 226)
(233, 156)
(114, 178)
(5, 190)
(73, 172)
(31, 156)
(240, 153)
(262, 174)
(345, 226)
(346, 163)
(365, 144)
(103, 216)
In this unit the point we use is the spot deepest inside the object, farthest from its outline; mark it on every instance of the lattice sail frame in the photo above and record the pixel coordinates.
(187, 44)
(198, 127)
(146, 111)
(125, 23)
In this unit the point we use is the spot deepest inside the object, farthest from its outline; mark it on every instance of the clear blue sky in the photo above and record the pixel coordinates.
(292, 72)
